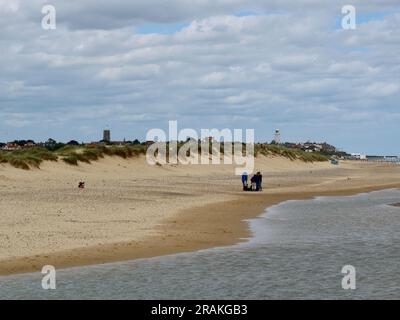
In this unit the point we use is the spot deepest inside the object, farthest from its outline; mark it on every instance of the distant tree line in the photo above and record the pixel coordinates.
(53, 145)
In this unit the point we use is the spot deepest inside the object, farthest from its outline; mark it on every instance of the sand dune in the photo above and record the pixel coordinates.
(130, 210)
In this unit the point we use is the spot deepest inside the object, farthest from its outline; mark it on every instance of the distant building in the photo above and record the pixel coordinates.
(119, 143)
(106, 136)
(392, 158)
(49, 144)
(292, 145)
(11, 146)
(328, 148)
(374, 158)
(29, 144)
(94, 144)
(359, 156)
(311, 147)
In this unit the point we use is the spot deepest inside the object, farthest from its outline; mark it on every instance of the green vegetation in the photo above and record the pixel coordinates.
(33, 157)
(74, 155)
(292, 154)
(24, 159)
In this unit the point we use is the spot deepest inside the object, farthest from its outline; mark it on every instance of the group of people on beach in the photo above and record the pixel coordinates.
(255, 182)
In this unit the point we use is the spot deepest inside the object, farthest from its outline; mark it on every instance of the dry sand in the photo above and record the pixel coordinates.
(131, 210)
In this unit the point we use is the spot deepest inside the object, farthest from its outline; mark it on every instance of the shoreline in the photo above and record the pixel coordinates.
(212, 225)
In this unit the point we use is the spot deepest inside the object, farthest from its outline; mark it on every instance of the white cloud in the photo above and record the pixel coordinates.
(382, 89)
(285, 66)
(9, 6)
(142, 72)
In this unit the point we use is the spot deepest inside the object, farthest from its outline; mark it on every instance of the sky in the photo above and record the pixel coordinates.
(131, 66)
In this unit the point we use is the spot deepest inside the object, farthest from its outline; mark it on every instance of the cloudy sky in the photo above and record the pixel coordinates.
(133, 65)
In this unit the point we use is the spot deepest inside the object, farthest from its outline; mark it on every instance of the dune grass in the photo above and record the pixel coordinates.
(73, 155)
(33, 157)
(292, 154)
(25, 159)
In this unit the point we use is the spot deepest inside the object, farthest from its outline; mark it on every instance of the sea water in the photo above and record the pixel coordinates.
(297, 251)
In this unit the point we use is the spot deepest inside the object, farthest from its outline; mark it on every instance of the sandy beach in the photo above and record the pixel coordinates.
(130, 210)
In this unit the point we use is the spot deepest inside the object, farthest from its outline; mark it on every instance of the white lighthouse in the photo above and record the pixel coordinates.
(277, 137)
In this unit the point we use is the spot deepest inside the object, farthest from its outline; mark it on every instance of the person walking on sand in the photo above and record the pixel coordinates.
(244, 180)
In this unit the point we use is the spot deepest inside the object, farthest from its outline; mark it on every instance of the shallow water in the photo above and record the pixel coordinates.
(297, 252)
